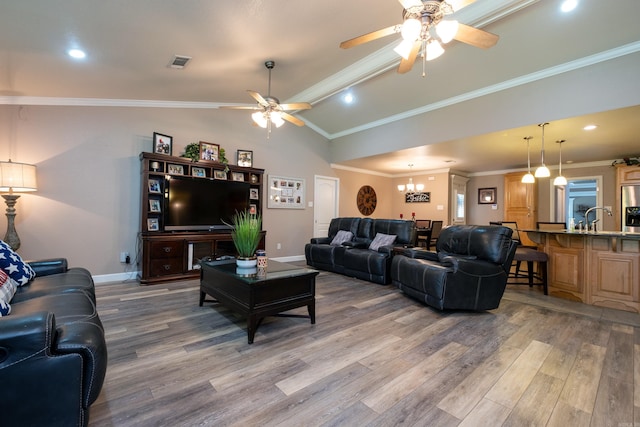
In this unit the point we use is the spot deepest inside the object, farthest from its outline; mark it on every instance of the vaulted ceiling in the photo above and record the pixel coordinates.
(130, 44)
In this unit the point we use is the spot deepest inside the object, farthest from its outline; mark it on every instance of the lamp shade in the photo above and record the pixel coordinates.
(17, 177)
(528, 178)
(259, 119)
(542, 172)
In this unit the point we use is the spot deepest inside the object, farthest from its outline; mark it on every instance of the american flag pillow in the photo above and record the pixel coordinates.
(7, 290)
(14, 266)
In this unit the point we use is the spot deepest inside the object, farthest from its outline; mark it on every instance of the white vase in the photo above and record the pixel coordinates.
(242, 262)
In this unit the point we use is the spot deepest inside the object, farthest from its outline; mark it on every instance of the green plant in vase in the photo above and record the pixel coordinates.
(192, 151)
(246, 234)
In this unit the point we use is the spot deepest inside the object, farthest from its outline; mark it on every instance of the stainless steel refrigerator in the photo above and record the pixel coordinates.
(630, 209)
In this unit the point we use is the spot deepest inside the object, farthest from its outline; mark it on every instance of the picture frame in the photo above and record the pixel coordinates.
(487, 196)
(176, 169)
(153, 224)
(199, 172)
(209, 151)
(253, 209)
(237, 176)
(154, 186)
(217, 174)
(154, 206)
(286, 192)
(162, 144)
(254, 194)
(244, 158)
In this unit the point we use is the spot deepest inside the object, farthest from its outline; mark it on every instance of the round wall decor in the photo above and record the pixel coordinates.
(366, 200)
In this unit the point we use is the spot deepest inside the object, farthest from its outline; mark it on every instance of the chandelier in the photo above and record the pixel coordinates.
(410, 187)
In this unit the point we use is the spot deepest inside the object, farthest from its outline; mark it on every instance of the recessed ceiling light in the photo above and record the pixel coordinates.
(590, 127)
(76, 53)
(348, 98)
(568, 5)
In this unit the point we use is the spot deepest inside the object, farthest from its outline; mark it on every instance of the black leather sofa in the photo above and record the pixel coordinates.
(468, 271)
(53, 355)
(353, 257)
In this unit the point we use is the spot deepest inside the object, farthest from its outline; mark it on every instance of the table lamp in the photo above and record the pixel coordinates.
(15, 178)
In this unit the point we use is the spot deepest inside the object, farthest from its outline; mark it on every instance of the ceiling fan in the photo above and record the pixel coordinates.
(269, 110)
(424, 30)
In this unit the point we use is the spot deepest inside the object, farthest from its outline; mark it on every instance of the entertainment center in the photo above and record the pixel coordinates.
(185, 210)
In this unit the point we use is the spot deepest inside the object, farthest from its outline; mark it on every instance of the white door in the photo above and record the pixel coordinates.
(458, 199)
(326, 191)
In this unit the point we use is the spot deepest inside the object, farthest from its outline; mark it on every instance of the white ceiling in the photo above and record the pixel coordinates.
(130, 44)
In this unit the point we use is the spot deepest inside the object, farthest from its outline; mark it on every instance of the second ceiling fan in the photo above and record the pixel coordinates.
(269, 110)
(424, 30)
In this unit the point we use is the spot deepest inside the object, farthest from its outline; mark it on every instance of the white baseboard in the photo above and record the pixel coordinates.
(133, 275)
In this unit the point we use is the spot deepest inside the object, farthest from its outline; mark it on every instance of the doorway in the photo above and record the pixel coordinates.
(573, 200)
(326, 192)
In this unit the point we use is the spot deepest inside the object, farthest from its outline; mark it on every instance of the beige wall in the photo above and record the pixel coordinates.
(87, 204)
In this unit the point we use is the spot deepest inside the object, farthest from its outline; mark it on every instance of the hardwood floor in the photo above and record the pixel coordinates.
(375, 357)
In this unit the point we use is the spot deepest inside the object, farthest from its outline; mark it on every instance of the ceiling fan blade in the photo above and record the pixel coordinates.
(255, 95)
(410, 3)
(288, 117)
(459, 4)
(296, 106)
(239, 107)
(475, 37)
(407, 64)
(370, 37)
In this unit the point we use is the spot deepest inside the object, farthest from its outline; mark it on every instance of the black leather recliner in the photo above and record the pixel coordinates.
(469, 270)
(53, 354)
(353, 257)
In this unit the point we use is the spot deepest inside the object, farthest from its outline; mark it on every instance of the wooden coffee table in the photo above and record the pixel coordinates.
(280, 288)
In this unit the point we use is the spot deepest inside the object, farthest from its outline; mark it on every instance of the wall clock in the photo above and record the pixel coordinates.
(366, 200)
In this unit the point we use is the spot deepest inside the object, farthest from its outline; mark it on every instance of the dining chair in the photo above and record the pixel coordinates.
(423, 227)
(436, 228)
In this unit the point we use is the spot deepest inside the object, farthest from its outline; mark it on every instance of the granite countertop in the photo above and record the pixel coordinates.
(604, 233)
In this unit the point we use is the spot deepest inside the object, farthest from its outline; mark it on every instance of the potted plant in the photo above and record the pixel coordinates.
(246, 237)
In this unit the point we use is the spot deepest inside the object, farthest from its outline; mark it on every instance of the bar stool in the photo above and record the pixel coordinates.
(531, 256)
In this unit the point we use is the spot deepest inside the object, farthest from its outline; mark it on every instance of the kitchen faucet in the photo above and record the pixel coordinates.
(593, 223)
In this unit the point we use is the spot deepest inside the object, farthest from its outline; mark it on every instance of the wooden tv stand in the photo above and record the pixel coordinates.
(175, 255)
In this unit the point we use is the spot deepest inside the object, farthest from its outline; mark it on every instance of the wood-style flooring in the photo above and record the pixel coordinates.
(374, 358)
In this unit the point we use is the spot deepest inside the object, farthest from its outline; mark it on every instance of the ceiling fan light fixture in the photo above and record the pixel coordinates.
(404, 48)
(447, 30)
(434, 49)
(276, 118)
(411, 29)
(259, 119)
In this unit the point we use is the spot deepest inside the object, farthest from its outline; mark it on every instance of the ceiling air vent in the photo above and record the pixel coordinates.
(179, 61)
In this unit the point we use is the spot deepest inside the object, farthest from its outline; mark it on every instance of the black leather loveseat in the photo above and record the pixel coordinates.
(355, 257)
(468, 271)
(53, 355)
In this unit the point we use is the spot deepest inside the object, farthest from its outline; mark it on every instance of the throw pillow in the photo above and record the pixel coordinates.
(341, 237)
(14, 266)
(7, 291)
(382, 240)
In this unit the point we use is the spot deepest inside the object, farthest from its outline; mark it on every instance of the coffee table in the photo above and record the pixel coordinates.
(278, 288)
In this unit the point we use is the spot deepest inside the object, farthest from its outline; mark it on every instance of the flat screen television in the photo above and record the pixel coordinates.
(193, 204)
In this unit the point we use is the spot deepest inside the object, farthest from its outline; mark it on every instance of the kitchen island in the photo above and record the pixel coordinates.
(601, 268)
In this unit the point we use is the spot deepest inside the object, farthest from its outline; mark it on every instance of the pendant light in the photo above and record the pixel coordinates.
(543, 170)
(560, 180)
(528, 178)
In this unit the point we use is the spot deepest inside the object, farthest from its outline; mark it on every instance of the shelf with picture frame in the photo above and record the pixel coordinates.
(166, 254)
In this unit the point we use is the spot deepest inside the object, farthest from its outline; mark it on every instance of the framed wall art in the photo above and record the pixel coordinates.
(162, 144)
(286, 192)
(154, 186)
(153, 224)
(176, 169)
(209, 151)
(245, 158)
(200, 172)
(487, 196)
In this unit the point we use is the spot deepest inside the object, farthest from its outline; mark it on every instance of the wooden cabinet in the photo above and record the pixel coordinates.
(520, 204)
(172, 255)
